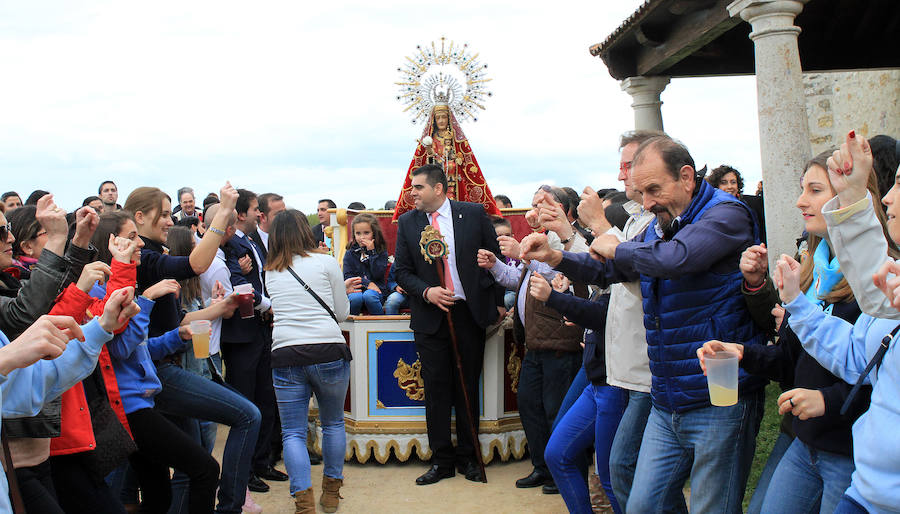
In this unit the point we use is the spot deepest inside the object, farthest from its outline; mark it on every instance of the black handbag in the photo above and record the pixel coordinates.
(114, 443)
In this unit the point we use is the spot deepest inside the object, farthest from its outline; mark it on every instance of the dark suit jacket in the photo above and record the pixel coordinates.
(263, 251)
(318, 233)
(237, 329)
(472, 230)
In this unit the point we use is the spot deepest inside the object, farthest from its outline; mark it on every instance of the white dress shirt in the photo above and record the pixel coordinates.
(445, 225)
(264, 237)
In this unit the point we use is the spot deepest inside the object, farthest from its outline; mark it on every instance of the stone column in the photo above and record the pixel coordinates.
(783, 126)
(645, 91)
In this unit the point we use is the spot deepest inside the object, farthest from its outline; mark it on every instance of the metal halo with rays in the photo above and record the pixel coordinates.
(452, 70)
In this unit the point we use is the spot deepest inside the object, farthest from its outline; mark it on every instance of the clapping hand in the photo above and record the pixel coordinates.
(86, 221)
(849, 169)
(787, 278)
(755, 265)
(560, 283)
(124, 250)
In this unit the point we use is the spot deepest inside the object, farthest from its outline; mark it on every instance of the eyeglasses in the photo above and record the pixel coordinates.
(625, 166)
(4, 232)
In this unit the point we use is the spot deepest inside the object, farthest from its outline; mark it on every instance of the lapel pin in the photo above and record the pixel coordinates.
(460, 216)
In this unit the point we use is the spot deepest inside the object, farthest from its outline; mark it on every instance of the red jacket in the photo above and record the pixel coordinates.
(77, 432)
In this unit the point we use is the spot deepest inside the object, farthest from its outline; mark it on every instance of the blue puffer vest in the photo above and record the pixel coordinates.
(681, 314)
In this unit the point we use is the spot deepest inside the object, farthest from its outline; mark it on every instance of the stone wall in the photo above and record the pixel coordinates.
(867, 101)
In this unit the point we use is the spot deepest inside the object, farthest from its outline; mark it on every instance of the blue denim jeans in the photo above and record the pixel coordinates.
(623, 456)
(187, 395)
(712, 445)
(848, 505)
(395, 302)
(204, 432)
(591, 420)
(765, 478)
(293, 386)
(371, 299)
(808, 480)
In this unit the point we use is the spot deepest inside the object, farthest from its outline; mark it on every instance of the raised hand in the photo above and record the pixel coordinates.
(162, 288)
(86, 221)
(713, 347)
(52, 218)
(849, 169)
(509, 247)
(538, 287)
(803, 403)
(94, 272)
(889, 286)
(46, 338)
(228, 196)
(604, 247)
(552, 217)
(560, 283)
(591, 211)
(119, 309)
(755, 264)
(485, 259)
(537, 247)
(787, 278)
(124, 250)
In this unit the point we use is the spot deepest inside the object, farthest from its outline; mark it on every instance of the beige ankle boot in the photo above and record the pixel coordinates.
(305, 502)
(331, 493)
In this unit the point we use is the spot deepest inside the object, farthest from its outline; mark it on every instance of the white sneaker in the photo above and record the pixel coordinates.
(250, 506)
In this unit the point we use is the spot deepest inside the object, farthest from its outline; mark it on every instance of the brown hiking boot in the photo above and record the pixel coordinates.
(305, 502)
(331, 493)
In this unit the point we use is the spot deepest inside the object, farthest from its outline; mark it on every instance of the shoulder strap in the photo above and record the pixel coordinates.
(314, 295)
(15, 495)
(875, 362)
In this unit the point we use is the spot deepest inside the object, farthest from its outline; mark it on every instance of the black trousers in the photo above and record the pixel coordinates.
(162, 445)
(544, 381)
(78, 490)
(248, 369)
(442, 386)
(36, 487)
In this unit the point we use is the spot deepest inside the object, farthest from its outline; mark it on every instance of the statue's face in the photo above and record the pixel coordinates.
(442, 120)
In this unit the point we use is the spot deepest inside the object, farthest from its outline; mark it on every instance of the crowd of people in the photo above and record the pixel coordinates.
(618, 295)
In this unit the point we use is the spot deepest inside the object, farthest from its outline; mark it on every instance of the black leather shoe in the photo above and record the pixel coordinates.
(435, 475)
(272, 474)
(314, 459)
(256, 485)
(550, 488)
(535, 479)
(470, 470)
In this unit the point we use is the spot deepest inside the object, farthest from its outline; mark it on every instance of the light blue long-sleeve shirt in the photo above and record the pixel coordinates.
(24, 391)
(845, 349)
(508, 275)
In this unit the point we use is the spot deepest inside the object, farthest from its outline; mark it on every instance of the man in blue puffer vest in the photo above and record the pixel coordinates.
(687, 261)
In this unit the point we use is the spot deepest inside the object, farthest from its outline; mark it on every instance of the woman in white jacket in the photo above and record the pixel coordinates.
(309, 354)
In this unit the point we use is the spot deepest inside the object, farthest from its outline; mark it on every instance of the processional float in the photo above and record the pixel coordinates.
(440, 85)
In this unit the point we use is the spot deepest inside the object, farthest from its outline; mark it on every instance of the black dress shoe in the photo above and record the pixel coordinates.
(256, 485)
(272, 474)
(314, 459)
(550, 488)
(435, 475)
(470, 470)
(535, 479)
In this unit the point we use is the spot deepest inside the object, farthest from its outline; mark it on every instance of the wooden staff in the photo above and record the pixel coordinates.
(462, 382)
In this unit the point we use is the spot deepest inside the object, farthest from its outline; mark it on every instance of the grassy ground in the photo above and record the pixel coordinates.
(768, 433)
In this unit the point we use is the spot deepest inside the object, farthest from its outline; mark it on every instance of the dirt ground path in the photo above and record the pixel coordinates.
(388, 488)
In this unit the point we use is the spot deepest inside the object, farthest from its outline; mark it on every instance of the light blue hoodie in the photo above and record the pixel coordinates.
(845, 349)
(25, 390)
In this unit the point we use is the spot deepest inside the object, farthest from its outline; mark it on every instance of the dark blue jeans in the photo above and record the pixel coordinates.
(808, 480)
(848, 505)
(627, 444)
(545, 378)
(188, 395)
(592, 420)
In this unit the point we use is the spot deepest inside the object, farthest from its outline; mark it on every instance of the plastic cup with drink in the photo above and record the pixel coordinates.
(245, 300)
(722, 378)
(200, 332)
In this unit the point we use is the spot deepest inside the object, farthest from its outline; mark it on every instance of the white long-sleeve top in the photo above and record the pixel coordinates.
(299, 319)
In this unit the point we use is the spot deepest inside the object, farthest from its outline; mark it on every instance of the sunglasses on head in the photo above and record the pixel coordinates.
(4, 231)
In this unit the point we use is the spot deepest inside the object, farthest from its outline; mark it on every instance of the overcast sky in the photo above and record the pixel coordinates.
(299, 97)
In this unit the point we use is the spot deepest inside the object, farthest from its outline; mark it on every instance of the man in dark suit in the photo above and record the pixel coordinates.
(324, 219)
(247, 342)
(471, 297)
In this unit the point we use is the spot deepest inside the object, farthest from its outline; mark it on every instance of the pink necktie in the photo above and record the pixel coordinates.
(447, 277)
